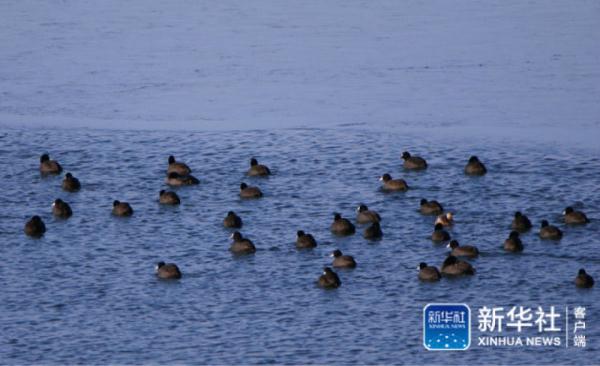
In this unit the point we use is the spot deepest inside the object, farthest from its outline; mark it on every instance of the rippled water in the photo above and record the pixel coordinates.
(86, 292)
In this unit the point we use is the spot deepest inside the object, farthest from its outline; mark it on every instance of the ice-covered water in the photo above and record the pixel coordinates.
(527, 67)
(328, 95)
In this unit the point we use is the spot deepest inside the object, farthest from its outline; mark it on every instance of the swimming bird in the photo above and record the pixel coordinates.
(513, 242)
(329, 279)
(247, 191)
(48, 166)
(176, 179)
(432, 207)
(439, 234)
(241, 245)
(428, 273)
(35, 227)
(168, 271)
(455, 267)
(373, 231)
(365, 216)
(475, 167)
(257, 170)
(342, 261)
(458, 250)
(342, 226)
(413, 162)
(121, 209)
(391, 185)
(446, 219)
(168, 198)
(583, 279)
(178, 167)
(70, 183)
(232, 220)
(573, 217)
(304, 240)
(550, 232)
(61, 209)
(520, 223)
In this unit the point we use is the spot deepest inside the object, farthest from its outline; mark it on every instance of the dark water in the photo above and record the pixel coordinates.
(86, 292)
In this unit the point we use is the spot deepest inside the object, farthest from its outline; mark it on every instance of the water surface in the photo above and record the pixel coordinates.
(86, 291)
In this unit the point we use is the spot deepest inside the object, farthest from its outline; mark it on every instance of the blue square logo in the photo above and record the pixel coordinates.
(446, 327)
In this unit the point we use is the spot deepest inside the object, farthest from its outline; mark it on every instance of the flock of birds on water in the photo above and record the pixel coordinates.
(179, 174)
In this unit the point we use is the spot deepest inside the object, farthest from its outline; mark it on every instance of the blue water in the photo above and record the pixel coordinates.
(86, 291)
